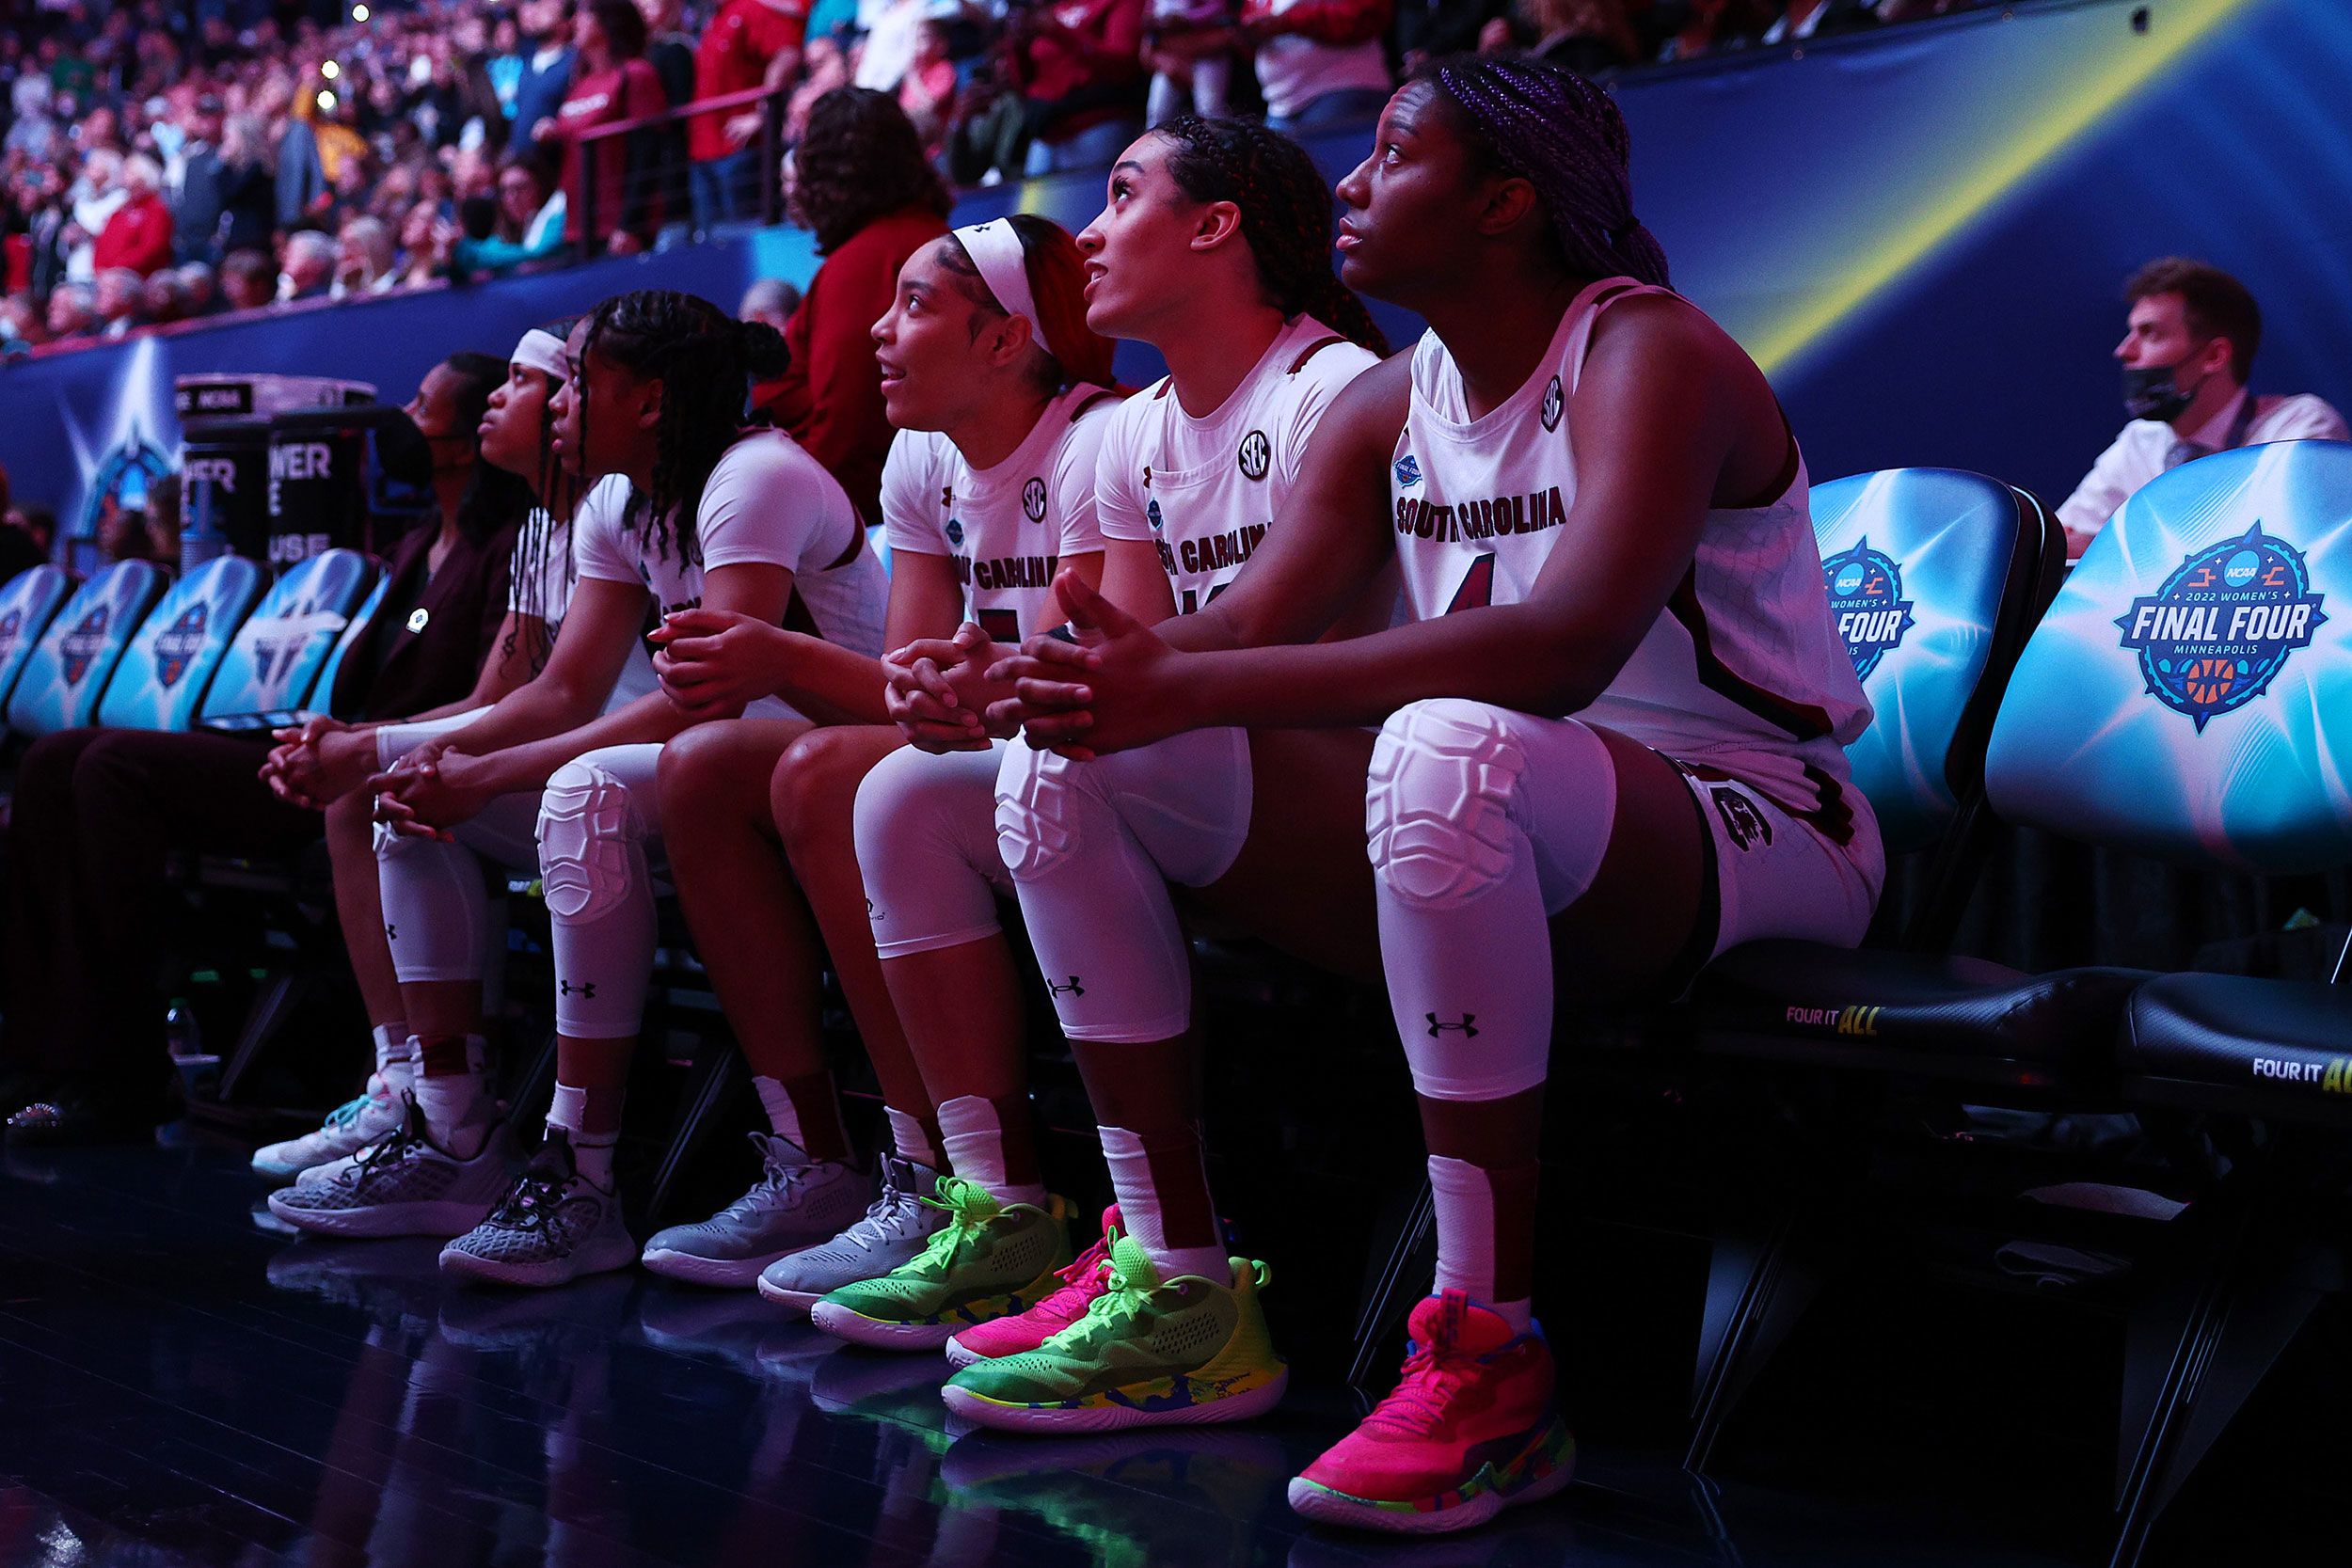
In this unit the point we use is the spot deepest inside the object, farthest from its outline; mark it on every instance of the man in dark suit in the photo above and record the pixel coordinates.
(197, 198)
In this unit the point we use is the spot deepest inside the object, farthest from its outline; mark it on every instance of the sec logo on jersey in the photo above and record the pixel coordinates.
(1555, 403)
(2215, 636)
(1033, 500)
(1865, 589)
(1257, 455)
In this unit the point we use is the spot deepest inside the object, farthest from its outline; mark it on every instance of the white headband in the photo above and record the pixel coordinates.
(996, 250)
(541, 352)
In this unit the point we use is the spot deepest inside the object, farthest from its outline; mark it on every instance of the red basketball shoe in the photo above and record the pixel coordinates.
(1470, 1430)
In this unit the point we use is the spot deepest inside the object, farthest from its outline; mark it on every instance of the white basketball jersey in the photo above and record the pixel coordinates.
(1743, 670)
(1204, 489)
(1007, 527)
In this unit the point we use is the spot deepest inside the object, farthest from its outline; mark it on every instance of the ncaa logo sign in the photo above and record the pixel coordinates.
(1257, 455)
(179, 645)
(1866, 595)
(2220, 630)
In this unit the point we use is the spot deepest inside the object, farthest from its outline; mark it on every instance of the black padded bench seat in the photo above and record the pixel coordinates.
(2266, 1048)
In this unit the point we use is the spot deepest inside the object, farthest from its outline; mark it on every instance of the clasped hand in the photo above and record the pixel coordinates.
(714, 663)
(431, 790)
(1117, 687)
(318, 762)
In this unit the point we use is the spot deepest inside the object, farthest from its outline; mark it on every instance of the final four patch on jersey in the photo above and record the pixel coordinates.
(1151, 514)
(1555, 403)
(1865, 589)
(955, 530)
(179, 645)
(1407, 472)
(1257, 455)
(2219, 631)
(1033, 499)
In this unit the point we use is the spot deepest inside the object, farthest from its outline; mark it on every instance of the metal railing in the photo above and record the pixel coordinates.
(665, 178)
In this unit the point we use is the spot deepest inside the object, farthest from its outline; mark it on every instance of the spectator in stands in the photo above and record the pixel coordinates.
(770, 300)
(40, 194)
(22, 329)
(825, 66)
(928, 90)
(546, 77)
(120, 301)
(73, 310)
(859, 182)
(122, 531)
(2188, 353)
(164, 297)
(1716, 24)
(671, 53)
(197, 182)
(612, 189)
(94, 197)
(366, 261)
(1319, 61)
(33, 134)
(1188, 46)
(248, 281)
(97, 810)
(201, 287)
(1588, 37)
(1079, 63)
(309, 266)
(1804, 19)
(1427, 29)
(249, 186)
(302, 188)
(527, 225)
(749, 43)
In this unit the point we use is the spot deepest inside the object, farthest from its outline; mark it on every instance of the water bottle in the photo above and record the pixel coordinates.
(184, 1038)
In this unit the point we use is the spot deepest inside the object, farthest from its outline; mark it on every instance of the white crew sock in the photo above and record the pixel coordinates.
(975, 1137)
(1464, 1199)
(395, 1062)
(591, 1120)
(908, 1137)
(456, 1104)
(1139, 1209)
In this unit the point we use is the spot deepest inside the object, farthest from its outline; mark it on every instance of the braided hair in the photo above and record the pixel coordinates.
(1058, 287)
(559, 494)
(1285, 214)
(1562, 136)
(493, 497)
(705, 360)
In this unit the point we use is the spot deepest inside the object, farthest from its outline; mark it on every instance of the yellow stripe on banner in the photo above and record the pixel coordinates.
(2177, 28)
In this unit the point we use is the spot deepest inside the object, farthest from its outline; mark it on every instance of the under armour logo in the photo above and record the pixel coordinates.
(587, 988)
(391, 933)
(1468, 1028)
(1073, 988)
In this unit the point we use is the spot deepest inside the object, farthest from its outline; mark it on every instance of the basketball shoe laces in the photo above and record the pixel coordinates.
(868, 1232)
(775, 1183)
(1077, 1281)
(1416, 1407)
(392, 1148)
(529, 1201)
(962, 1201)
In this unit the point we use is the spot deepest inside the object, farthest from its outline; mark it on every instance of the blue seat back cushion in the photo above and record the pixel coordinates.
(323, 690)
(28, 605)
(165, 670)
(69, 668)
(278, 653)
(2189, 694)
(1916, 561)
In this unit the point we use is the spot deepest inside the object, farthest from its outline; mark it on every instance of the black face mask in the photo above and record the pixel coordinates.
(2150, 392)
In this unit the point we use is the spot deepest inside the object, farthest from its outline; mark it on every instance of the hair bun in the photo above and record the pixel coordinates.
(765, 354)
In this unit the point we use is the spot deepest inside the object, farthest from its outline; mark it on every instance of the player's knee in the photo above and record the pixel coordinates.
(814, 779)
(586, 828)
(1039, 799)
(1439, 802)
(698, 764)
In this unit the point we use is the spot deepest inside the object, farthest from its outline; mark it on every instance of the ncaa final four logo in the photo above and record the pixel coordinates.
(1865, 589)
(2219, 631)
(84, 643)
(181, 642)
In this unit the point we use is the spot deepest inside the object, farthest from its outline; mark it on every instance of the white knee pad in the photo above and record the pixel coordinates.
(1458, 791)
(926, 847)
(586, 829)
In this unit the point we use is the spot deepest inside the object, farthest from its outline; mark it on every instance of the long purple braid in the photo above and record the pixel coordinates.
(1564, 136)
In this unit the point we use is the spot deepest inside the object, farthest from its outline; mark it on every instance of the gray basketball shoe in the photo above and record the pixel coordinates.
(897, 1225)
(796, 1203)
(553, 1225)
(403, 1185)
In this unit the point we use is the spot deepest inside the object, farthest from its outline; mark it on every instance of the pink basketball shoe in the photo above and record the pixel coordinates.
(1469, 1429)
(1087, 1277)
